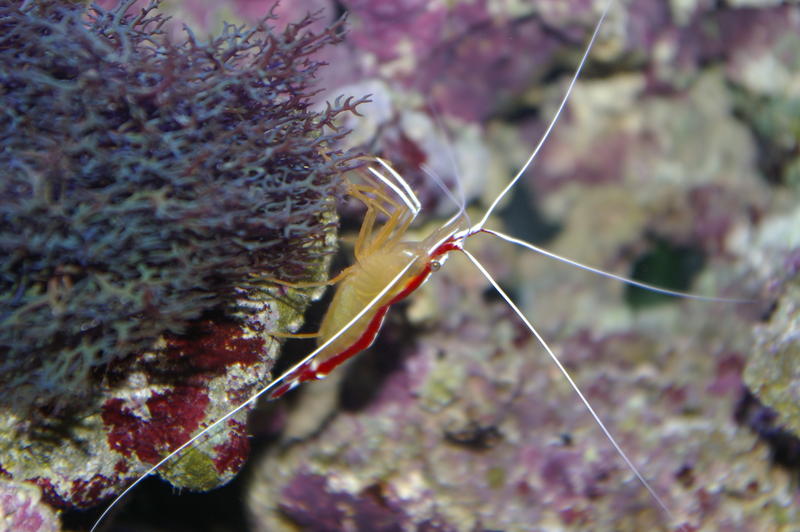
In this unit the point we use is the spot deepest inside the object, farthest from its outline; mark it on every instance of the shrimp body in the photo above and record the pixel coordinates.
(382, 260)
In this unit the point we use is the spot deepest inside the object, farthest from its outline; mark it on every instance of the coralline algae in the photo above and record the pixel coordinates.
(773, 370)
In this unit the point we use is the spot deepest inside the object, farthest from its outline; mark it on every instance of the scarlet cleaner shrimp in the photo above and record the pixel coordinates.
(557, 468)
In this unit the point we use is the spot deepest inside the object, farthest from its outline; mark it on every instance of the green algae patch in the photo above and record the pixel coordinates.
(496, 477)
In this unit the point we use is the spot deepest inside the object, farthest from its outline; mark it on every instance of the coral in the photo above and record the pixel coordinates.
(151, 191)
(22, 510)
(773, 370)
(784, 446)
(776, 122)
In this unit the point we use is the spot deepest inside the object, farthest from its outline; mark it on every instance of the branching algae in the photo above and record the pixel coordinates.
(149, 191)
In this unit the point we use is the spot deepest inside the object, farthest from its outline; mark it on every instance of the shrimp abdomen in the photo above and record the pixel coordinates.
(365, 280)
(368, 277)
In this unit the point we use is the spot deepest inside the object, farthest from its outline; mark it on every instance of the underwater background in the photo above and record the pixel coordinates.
(676, 162)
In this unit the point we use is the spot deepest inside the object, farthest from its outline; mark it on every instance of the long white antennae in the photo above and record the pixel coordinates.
(403, 183)
(462, 207)
(440, 183)
(572, 383)
(258, 394)
(411, 206)
(553, 121)
(626, 280)
(448, 148)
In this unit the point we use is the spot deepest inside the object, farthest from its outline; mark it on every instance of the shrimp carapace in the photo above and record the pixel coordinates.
(384, 264)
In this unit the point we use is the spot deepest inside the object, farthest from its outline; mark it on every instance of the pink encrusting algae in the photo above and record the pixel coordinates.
(469, 427)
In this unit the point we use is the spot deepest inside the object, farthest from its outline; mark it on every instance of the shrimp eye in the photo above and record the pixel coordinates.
(435, 265)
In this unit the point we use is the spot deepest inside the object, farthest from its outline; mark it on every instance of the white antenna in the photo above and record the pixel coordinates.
(572, 383)
(550, 126)
(626, 280)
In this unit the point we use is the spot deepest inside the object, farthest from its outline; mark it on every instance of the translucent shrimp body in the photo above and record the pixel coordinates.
(383, 260)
